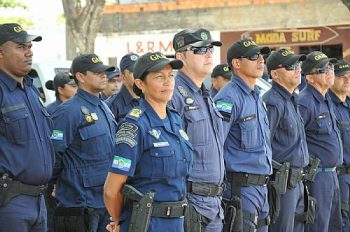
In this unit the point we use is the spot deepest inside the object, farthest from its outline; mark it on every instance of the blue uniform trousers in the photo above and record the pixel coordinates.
(344, 184)
(325, 189)
(215, 225)
(292, 202)
(100, 219)
(24, 214)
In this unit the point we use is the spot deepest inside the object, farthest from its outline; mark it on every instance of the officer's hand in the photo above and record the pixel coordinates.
(112, 227)
(53, 194)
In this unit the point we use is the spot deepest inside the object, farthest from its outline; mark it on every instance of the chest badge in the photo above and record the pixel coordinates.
(94, 116)
(135, 113)
(155, 133)
(189, 100)
(182, 91)
(184, 134)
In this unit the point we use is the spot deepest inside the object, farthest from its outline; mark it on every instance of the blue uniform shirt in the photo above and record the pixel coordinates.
(121, 103)
(84, 141)
(203, 125)
(247, 146)
(157, 156)
(26, 150)
(342, 112)
(103, 96)
(53, 106)
(322, 133)
(288, 139)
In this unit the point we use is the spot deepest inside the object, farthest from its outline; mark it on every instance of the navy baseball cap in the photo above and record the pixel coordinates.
(244, 48)
(193, 37)
(60, 79)
(222, 70)
(15, 33)
(341, 68)
(113, 74)
(152, 62)
(128, 61)
(282, 57)
(89, 62)
(316, 59)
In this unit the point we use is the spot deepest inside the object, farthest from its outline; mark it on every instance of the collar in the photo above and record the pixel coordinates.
(88, 97)
(318, 96)
(237, 80)
(281, 90)
(337, 101)
(126, 95)
(189, 83)
(12, 83)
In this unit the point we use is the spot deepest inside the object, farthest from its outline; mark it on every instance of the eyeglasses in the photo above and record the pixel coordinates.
(326, 69)
(200, 50)
(292, 67)
(252, 57)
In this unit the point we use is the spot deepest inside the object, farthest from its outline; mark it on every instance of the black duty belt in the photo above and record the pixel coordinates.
(297, 174)
(167, 209)
(343, 170)
(26, 189)
(246, 179)
(205, 189)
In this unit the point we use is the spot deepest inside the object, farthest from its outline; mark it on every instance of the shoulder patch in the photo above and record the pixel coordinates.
(224, 106)
(135, 112)
(57, 135)
(121, 163)
(126, 134)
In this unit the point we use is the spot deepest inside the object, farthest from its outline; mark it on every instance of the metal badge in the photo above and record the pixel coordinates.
(182, 91)
(84, 110)
(184, 134)
(88, 118)
(189, 100)
(94, 116)
(155, 133)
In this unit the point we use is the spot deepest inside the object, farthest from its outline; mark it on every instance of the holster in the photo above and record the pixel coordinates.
(310, 209)
(274, 202)
(233, 214)
(194, 221)
(311, 170)
(141, 208)
(280, 176)
(73, 219)
(295, 176)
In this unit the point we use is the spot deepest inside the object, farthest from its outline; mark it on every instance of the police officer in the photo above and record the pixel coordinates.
(84, 142)
(26, 154)
(288, 140)
(121, 103)
(247, 145)
(323, 140)
(153, 154)
(194, 47)
(114, 84)
(338, 94)
(64, 86)
(220, 76)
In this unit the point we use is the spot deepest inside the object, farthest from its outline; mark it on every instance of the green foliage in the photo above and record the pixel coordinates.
(11, 5)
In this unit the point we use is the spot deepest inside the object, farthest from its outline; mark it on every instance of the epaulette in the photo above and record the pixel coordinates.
(135, 113)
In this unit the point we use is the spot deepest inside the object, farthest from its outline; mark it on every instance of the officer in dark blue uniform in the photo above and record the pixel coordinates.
(153, 155)
(113, 85)
(247, 145)
(84, 142)
(288, 139)
(323, 140)
(194, 47)
(121, 103)
(26, 153)
(220, 76)
(64, 86)
(339, 95)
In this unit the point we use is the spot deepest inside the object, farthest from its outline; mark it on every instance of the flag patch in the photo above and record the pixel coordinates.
(57, 135)
(121, 163)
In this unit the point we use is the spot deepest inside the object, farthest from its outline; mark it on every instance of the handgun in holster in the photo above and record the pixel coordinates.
(281, 174)
(233, 214)
(141, 208)
(311, 169)
(73, 219)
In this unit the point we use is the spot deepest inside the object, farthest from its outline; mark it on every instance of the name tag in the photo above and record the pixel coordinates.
(161, 144)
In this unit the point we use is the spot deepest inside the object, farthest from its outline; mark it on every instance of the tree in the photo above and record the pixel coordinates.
(8, 5)
(83, 20)
(346, 3)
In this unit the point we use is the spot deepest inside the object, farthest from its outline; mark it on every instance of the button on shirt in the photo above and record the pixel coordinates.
(342, 112)
(288, 139)
(204, 127)
(322, 133)
(121, 103)
(84, 150)
(53, 106)
(247, 146)
(26, 150)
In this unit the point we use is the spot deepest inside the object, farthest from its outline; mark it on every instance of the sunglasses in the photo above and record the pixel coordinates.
(326, 69)
(200, 50)
(252, 57)
(291, 67)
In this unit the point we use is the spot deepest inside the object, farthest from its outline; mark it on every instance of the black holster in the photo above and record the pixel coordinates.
(274, 198)
(310, 209)
(194, 221)
(233, 214)
(73, 219)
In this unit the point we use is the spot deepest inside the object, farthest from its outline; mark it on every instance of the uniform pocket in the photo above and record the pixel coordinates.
(323, 125)
(17, 125)
(198, 128)
(163, 162)
(94, 141)
(249, 133)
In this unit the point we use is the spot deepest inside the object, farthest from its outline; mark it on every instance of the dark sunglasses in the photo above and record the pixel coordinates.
(252, 57)
(292, 67)
(200, 50)
(326, 69)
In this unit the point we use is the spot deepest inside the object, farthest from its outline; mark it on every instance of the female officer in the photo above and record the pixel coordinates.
(153, 155)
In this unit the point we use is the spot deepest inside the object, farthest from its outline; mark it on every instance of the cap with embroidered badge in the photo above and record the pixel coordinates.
(89, 62)
(193, 37)
(152, 62)
(222, 70)
(113, 74)
(341, 68)
(128, 61)
(15, 33)
(282, 57)
(315, 59)
(244, 48)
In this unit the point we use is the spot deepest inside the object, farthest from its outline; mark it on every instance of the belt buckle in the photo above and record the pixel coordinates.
(168, 211)
(184, 206)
